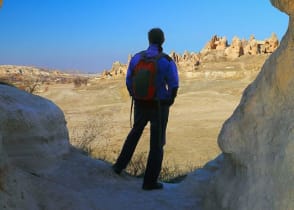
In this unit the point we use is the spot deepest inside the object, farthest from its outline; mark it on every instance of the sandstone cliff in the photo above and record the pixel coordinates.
(256, 169)
(31, 140)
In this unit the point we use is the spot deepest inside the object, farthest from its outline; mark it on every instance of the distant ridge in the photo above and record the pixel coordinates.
(217, 49)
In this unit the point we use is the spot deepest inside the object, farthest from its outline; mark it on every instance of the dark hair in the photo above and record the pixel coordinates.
(156, 36)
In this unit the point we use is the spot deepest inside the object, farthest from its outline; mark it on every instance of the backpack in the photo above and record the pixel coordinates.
(144, 77)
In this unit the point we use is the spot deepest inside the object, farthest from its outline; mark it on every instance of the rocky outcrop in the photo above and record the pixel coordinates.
(28, 71)
(188, 60)
(216, 50)
(235, 50)
(3, 164)
(240, 47)
(31, 137)
(215, 43)
(33, 79)
(117, 70)
(256, 169)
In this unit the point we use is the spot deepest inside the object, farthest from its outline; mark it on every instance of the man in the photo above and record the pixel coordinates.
(156, 112)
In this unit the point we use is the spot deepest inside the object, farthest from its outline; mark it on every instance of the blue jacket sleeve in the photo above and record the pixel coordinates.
(172, 79)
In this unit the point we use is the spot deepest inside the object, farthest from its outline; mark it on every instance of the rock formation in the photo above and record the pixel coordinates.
(39, 127)
(256, 169)
(31, 139)
(235, 50)
(270, 45)
(188, 60)
(30, 78)
(3, 164)
(117, 70)
(240, 47)
(251, 47)
(217, 49)
(216, 43)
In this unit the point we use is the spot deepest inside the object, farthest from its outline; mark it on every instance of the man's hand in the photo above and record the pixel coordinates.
(168, 102)
(171, 101)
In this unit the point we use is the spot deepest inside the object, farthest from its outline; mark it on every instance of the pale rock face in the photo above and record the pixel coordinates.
(33, 138)
(2, 154)
(235, 50)
(33, 129)
(271, 44)
(3, 164)
(251, 48)
(257, 170)
(219, 43)
(286, 6)
(222, 44)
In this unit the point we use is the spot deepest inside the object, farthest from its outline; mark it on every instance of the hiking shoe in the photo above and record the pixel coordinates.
(155, 186)
(116, 169)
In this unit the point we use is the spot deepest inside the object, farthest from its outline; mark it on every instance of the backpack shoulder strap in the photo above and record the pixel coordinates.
(166, 56)
(143, 54)
(157, 57)
(163, 55)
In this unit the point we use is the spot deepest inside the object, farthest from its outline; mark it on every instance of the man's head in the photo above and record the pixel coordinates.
(156, 36)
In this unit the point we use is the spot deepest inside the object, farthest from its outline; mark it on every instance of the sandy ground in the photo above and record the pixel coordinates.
(98, 118)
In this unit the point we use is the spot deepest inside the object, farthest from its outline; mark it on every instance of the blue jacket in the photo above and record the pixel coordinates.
(167, 77)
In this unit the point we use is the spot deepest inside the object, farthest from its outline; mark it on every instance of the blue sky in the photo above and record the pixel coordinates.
(89, 35)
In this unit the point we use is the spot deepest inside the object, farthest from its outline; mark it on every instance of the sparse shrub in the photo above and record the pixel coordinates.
(79, 81)
(84, 138)
(32, 86)
(137, 164)
(169, 173)
(96, 144)
(93, 138)
(85, 81)
(174, 173)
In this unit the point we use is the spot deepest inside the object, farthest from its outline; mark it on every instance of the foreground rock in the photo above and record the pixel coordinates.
(256, 169)
(32, 137)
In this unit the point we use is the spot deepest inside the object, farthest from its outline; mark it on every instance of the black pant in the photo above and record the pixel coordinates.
(157, 115)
